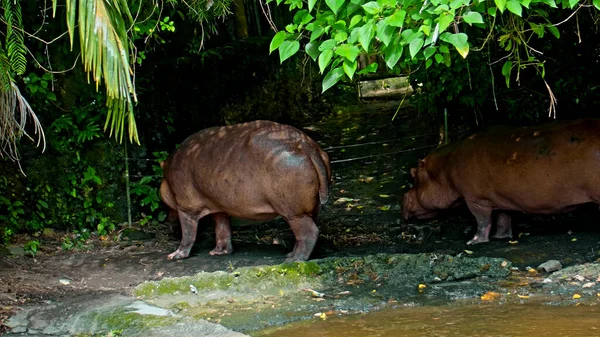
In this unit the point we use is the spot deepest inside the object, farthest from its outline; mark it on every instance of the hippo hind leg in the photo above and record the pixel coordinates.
(189, 228)
(484, 223)
(222, 234)
(306, 233)
(503, 227)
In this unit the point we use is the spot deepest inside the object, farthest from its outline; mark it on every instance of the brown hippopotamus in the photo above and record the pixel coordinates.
(257, 171)
(545, 169)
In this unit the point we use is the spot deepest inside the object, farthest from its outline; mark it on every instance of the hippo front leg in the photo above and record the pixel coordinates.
(484, 223)
(503, 227)
(222, 234)
(306, 233)
(189, 227)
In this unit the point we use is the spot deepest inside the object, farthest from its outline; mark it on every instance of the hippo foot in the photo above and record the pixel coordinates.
(501, 236)
(178, 255)
(476, 239)
(295, 259)
(220, 251)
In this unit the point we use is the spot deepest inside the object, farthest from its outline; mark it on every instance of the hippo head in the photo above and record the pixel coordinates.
(423, 200)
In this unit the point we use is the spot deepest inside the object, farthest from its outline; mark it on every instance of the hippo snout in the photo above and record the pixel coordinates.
(412, 208)
(408, 205)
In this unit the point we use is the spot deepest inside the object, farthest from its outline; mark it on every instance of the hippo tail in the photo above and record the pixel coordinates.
(320, 160)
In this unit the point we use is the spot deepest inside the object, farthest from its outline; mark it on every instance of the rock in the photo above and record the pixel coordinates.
(588, 285)
(135, 235)
(550, 266)
(48, 233)
(18, 323)
(16, 250)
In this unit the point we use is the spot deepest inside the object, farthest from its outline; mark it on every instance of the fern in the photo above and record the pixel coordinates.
(6, 77)
(15, 44)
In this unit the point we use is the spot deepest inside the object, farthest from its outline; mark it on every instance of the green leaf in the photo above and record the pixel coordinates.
(341, 37)
(414, 46)
(514, 6)
(459, 41)
(429, 51)
(550, 3)
(307, 18)
(538, 29)
(340, 25)
(355, 20)
(506, 70)
(472, 17)
(312, 49)
(444, 49)
(439, 58)
(371, 68)
(572, 3)
(385, 32)
(287, 49)
(492, 11)
(311, 5)
(332, 78)
(334, 4)
(348, 51)
(277, 40)
(554, 31)
(596, 3)
(317, 32)
(51, 96)
(501, 4)
(458, 3)
(350, 9)
(365, 34)
(327, 45)
(349, 68)
(428, 63)
(324, 59)
(393, 53)
(299, 16)
(371, 7)
(388, 3)
(525, 3)
(445, 20)
(396, 19)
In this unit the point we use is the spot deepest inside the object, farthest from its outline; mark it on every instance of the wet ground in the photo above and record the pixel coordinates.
(371, 156)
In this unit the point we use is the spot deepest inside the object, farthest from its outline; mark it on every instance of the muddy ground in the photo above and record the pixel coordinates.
(362, 217)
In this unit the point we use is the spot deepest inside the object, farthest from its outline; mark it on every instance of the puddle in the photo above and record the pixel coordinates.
(496, 320)
(146, 309)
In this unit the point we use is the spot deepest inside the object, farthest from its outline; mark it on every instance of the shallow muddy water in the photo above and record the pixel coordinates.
(495, 320)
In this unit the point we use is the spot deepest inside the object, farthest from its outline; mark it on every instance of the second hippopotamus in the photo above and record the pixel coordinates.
(256, 170)
(545, 169)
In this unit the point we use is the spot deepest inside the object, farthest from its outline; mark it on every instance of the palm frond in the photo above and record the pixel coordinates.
(105, 54)
(15, 111)
(15, 45)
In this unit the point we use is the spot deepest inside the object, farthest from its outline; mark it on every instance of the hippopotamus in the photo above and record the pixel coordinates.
(257, 171)
(545, 169)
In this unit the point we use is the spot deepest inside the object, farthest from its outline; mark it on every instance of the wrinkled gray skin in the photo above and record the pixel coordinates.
(545, 169)
(257, 171)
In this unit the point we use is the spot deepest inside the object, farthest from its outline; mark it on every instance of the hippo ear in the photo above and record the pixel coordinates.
(421, 162)
(413, 172)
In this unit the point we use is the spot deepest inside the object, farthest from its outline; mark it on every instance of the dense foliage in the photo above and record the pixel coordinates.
(410, 35)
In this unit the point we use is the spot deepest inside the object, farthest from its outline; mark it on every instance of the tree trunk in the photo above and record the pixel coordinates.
(241, 30)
